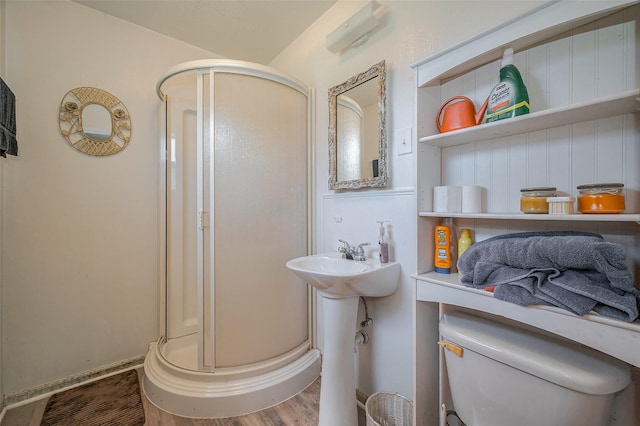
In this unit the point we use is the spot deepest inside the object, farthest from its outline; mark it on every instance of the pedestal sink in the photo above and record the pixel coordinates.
(341, 282)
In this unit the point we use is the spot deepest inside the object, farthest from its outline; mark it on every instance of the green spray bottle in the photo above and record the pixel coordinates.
(509, 97)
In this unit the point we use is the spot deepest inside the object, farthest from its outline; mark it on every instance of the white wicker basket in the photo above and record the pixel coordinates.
(388, 409)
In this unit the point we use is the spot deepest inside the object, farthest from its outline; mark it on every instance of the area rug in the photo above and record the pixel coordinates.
(113, 401)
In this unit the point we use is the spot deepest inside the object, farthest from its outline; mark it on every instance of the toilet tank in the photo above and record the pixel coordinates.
(509, 376)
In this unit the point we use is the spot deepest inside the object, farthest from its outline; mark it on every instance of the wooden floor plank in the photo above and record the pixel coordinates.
(300, 410)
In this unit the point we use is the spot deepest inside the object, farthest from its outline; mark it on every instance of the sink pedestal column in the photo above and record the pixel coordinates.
(341, 282)
(338, 389)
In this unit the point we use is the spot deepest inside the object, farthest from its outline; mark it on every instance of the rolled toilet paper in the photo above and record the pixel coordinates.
(447, 199)
(471, 199)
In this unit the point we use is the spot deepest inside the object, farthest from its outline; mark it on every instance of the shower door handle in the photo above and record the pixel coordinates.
(203, 219)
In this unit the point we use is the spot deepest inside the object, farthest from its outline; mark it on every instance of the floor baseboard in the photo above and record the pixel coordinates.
(20, 398)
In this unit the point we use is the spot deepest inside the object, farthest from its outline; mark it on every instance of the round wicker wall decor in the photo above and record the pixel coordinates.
(85, 130)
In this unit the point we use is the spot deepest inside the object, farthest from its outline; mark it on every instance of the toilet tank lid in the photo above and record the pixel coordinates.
(558, 361)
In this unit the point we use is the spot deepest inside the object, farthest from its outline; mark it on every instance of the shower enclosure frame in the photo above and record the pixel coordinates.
(232, 391)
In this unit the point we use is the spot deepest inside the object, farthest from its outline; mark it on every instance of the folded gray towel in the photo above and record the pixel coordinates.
(576, 271)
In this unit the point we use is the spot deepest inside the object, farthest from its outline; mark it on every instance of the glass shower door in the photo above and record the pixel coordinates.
(183, 233)
(260, 218)
(237, 210)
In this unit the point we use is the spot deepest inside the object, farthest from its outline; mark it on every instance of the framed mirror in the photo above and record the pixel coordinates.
(357, 131)
(94, 121)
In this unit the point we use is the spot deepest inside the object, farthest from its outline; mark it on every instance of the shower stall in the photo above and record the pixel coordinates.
(236, 325)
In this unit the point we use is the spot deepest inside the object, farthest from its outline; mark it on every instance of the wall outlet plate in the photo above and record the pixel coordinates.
(404, 141)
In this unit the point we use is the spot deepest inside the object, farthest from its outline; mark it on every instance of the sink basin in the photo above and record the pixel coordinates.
(335, 277)
(340, 282)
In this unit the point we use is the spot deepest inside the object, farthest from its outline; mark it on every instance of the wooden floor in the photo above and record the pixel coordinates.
(301, 410)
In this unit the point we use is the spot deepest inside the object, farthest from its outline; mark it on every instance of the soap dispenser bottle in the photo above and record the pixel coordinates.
(384, 245)
(509, 98)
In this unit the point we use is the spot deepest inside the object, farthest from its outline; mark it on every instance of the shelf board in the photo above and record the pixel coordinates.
(624, 217)
(609, 106)
(547, 21)
(601, 333)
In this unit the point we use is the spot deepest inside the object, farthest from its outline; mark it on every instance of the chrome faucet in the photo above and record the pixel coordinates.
(352, 253)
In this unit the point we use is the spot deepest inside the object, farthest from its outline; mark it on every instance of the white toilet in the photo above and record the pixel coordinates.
(507, 376)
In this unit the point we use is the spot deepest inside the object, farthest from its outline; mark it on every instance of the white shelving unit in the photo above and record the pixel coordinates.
(542, 217)
(572, 133)
(592, 330)
(610, 106)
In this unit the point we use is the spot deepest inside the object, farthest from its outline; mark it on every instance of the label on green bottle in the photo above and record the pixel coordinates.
(503, 102)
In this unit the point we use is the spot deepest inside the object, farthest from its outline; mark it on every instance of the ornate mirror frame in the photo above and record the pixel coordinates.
(109, 140)
(377, 71)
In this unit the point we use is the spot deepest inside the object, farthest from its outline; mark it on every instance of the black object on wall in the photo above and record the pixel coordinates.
(8, 141)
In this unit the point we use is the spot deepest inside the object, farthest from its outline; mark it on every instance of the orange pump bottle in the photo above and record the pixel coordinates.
(442, 255)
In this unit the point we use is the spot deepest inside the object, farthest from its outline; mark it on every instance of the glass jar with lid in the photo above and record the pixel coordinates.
(534, 200)
(601, 198)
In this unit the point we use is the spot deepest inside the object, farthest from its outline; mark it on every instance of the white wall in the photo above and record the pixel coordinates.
(410, 31)
(80, 233)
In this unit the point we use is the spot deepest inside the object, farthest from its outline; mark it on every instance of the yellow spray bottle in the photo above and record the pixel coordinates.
(464, 242)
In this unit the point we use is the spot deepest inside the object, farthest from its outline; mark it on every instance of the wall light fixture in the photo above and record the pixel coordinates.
(355, 31)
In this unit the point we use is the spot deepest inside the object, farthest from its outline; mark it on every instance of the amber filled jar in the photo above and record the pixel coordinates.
(601, 198)
(534, 200)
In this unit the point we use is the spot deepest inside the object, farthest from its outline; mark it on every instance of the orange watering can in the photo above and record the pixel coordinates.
(458, 113)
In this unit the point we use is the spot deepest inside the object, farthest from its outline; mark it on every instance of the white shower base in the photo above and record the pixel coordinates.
(182, 352)
(227, 392)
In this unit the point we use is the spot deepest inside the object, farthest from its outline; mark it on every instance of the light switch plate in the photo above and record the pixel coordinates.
(403, 141)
